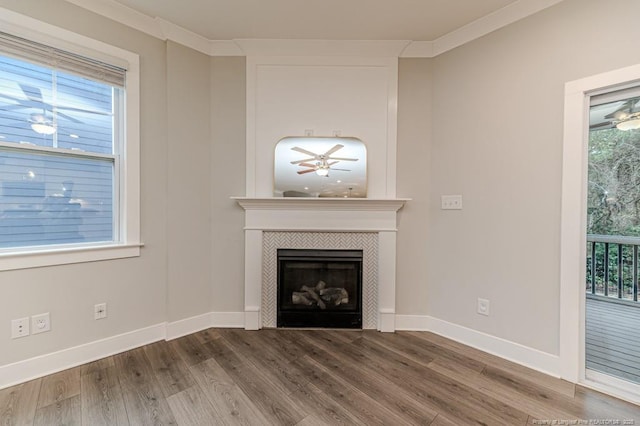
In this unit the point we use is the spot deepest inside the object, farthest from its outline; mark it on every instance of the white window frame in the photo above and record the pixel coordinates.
(127, 175)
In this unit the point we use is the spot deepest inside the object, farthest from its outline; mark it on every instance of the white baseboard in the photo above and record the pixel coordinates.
(227, 319)
(202, 322)
(42, 365)
(412, 322)
(252, 318)
(22, 371)
(187, 326)
(542, 361)
(32, 368)
(386, 321)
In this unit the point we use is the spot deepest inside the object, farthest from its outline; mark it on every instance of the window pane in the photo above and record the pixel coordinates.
(50, 199)
(80, 110)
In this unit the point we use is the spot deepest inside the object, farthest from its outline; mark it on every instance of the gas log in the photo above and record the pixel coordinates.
(320, 296)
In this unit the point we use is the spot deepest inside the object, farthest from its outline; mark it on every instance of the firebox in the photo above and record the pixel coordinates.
(319, 288)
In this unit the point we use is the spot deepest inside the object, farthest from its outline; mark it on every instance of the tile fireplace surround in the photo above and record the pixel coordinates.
(328, 223)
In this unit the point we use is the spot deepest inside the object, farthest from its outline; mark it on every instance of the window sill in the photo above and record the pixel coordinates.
(64, 256)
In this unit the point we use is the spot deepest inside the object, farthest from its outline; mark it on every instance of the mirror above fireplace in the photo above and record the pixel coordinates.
(332, 167)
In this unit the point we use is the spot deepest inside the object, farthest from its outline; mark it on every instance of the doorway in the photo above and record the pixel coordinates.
(596, 266)
(612, 309)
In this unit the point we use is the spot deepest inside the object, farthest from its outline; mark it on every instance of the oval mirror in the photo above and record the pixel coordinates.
(308, 166)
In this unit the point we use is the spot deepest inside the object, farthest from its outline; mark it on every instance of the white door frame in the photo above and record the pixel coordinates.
(573, 226)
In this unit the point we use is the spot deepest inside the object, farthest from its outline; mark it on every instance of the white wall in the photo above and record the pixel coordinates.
(483, 120)
(228, 124)
(413, 180)
(135, 289)
(497, 140)
(189, 183)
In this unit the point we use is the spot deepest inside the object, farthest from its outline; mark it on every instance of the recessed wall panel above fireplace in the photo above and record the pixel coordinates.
(322, 97)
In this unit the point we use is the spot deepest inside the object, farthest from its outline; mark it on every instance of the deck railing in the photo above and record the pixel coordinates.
(612, 266)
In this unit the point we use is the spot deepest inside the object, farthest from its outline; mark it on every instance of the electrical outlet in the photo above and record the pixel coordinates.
(40, 323)
(308, 132)
(483, 307)
(19, 328)
(337, 133)
(451, 202)
(100, 311)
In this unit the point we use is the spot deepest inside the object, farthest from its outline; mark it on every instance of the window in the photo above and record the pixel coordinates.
(68, 159)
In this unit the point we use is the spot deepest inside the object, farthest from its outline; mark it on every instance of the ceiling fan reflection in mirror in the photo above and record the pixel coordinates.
(323, 162)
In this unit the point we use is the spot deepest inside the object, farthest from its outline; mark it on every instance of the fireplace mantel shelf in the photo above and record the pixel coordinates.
(322, 204)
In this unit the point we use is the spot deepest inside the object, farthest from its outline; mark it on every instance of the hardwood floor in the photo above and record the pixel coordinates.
(306, 378)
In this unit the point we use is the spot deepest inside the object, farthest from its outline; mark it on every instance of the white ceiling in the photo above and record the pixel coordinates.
(418, 20)
(384, 28)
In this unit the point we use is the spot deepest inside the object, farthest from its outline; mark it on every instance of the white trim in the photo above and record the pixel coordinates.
(177, 34)
(128, 166)
(188, 326)
(50, 35)
(202, 322)
(494, 21)
(227, 320)
(324, 204)
(165, 30)
(392, 129)
(541, 361)
(122, 14)
(225, 48)
(29, 369)
(360, 48)
(412, 322)
(418, 49)
(612, 386)
(42, 365)
(386, 320)
(573, 214)
(60, 256)
(251, 76)
(252, 318)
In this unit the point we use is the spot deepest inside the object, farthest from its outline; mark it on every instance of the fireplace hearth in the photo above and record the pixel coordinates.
(319, 288)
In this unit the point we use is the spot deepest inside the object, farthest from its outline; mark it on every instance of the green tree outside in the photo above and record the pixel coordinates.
(613, 205)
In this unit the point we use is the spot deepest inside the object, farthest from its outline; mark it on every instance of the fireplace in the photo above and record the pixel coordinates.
(320, 223)
(319, 288)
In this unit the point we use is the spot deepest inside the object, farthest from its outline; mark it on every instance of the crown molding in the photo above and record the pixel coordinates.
(225, 48)
(166, 30)
(281, 47)
(489, 23)
(122, 14)
(180, 35)
(418, 49)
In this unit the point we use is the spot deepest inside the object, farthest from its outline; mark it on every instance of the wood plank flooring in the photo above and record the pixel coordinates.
(613, 338)
(306, 378)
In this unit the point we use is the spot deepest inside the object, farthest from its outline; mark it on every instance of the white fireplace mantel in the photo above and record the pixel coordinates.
(321, 215)
(301, 203)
